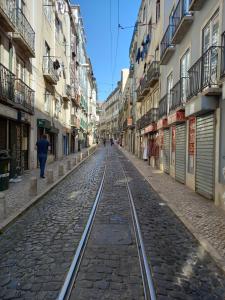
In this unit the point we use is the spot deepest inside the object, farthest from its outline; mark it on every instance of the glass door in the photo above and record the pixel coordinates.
(210, 51)
(184, 67)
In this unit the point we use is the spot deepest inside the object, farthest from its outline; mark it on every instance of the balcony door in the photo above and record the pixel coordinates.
(210, 43)
(169, 94)
(184, 67)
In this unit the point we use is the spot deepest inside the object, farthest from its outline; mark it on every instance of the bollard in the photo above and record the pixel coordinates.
(74, 161)
(88, 153)
(81, 156)
(3, 204)
(68, 165)
(33, 186)
(61, 170)
(50, 177)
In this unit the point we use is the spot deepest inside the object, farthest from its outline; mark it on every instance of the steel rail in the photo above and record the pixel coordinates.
(69, 281)
(151, 294)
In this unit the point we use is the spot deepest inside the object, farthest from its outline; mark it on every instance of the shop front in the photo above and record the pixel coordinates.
(164, 144)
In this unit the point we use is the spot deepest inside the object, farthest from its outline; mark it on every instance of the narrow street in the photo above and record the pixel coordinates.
(37, 250)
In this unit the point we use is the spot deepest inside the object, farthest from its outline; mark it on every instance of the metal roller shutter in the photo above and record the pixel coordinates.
(166, 152)
(205, 152)
(180, 165)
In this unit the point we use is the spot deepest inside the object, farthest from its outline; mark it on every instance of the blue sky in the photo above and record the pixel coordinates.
(96, 16)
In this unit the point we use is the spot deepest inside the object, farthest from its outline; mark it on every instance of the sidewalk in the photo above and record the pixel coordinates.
(18, 198)
(204, 220)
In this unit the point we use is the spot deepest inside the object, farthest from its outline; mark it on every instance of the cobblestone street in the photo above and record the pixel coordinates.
(37, 250)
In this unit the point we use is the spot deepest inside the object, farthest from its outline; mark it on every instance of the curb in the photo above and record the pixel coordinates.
(220, 262)
(11, 219)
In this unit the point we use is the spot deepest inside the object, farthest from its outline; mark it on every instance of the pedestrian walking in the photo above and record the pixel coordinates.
(104, 141)
(111, 141)
(42, 151)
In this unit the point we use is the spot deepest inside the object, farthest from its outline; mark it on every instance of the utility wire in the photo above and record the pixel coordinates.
(111, 39)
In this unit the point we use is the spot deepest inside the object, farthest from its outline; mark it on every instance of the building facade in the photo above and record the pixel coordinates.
(45, 75)
(177, 71)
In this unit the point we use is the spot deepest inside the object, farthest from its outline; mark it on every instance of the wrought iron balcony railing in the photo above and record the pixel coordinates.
(153, 73)
(7, 12)
(205, 72)
(181, 11)
(24, 95)
(7, 81)
(179, 94)
(25, 29)
(166, 41)
(163, 107)
(49, 69)
(223, 56)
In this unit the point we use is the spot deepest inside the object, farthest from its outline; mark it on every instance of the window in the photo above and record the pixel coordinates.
(48, 9)
(210, 34)
(144, 14)
(57, 27)
(47, 102)
(157, 10)
(20, 68)
(57, 108)
(184, 67)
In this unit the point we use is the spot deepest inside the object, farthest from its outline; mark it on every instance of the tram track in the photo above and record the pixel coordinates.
(147, 281)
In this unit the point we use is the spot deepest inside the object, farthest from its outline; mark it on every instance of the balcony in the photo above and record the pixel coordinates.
(196, 5)
(75, 122)
(131, 71)
(49, 71)
(182, 20)
(24, 96)
(153, 73)
(163, 107)
(7, 15)
(204, 74)
(139, 94)
(179, 94)
(67, 92)
(167, 48)
(223, 56)
(24, 34)
(7, 81)
(128, 123)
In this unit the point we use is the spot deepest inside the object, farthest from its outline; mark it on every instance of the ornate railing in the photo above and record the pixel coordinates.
(25, 29)
(179, 94)
(205, 72)
(49, 69)
(163, 107)
(7, 80)
(166, 41)
(153, 71)
(8, 7)
(181, 10)
(24, 95)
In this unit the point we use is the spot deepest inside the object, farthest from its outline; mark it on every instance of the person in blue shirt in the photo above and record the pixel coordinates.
(42, 151)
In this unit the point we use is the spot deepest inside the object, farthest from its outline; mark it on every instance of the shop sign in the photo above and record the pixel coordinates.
(178, 116)
(162, 123)
(42, 123)
(191, 142)
(129, 122)
(151, 128)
